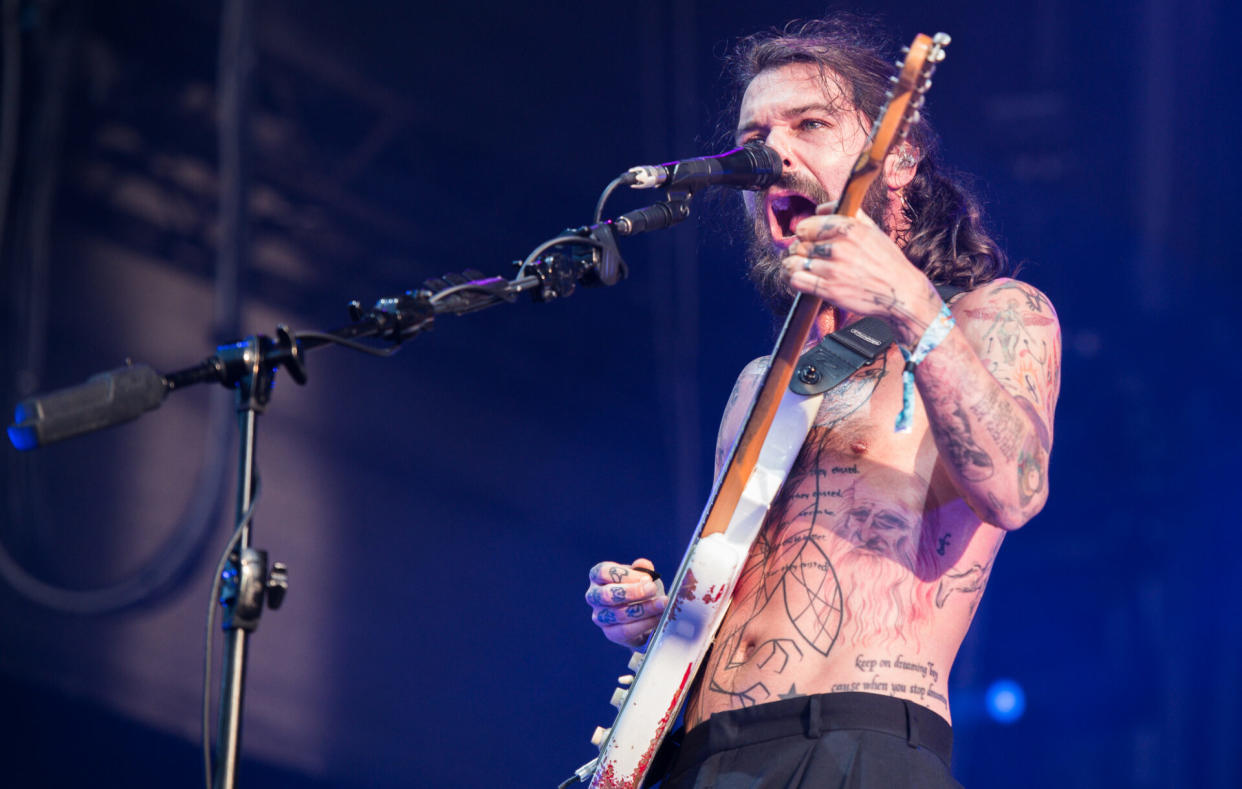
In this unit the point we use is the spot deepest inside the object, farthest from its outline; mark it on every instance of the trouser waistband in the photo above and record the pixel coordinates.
(813, 716)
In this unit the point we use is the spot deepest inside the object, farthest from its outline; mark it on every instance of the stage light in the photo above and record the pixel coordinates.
(1006, 701)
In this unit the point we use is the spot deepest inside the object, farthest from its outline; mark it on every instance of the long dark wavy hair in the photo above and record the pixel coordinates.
(946, 237)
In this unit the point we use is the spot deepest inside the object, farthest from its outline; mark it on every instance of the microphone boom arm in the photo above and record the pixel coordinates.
(590, 257)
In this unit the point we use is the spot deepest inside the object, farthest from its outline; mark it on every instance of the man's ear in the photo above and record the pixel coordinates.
(900, 165)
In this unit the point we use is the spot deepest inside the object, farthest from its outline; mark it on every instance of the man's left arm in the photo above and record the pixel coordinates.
(990, 390)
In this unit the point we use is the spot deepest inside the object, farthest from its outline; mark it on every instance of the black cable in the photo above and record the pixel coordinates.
(211, 618)
(552, 242)
(351, 344)
(623, 178)
(441, 294)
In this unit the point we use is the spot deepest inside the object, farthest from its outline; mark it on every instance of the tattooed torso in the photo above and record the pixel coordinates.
(868, 569)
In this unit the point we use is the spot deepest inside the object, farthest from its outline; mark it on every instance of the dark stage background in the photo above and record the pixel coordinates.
(439, 510)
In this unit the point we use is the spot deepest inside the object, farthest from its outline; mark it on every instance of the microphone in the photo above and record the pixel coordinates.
(752, 166)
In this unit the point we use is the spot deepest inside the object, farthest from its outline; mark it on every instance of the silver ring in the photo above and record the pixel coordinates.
(806, 264)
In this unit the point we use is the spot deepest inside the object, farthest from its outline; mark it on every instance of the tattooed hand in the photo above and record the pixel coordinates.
(626, 603)
(852, 264)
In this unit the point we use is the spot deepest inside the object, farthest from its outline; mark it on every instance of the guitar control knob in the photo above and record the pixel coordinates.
(626, 680)
(636, 661)
(601, 734)
(618, 697)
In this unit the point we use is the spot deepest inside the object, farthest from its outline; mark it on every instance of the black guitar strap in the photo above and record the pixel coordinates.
(846, 351)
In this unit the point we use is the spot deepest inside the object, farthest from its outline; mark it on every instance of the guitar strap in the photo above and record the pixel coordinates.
(847, 350)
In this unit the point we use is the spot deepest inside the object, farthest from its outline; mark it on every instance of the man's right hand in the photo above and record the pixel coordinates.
(626, 603)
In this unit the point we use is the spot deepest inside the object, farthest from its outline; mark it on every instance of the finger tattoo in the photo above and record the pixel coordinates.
(822, 250)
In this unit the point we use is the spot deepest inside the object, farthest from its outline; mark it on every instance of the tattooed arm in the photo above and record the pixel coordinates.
(990, 391)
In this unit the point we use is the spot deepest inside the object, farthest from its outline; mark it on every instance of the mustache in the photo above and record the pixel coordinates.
(803, 184)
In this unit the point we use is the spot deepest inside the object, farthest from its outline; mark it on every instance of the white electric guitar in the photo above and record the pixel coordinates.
(776, 425)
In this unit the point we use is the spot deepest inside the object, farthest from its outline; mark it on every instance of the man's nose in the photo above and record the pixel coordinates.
(780, 141)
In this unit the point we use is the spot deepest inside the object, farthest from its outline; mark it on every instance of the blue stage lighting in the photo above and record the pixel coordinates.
(1006, 701)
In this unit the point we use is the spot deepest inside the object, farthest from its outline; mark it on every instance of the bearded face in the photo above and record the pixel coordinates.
(884, 600)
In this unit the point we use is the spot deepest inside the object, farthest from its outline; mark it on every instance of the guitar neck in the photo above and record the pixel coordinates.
(762, 411)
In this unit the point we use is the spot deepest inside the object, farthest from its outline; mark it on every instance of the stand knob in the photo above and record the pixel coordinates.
(277, 585)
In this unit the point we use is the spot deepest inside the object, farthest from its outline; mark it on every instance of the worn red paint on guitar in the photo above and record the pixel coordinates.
(608, 777)
(685, 594)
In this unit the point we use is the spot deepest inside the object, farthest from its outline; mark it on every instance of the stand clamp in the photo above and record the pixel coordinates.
(247, 585)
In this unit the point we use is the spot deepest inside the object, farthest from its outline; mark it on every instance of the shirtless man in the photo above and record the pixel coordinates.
(833, 659)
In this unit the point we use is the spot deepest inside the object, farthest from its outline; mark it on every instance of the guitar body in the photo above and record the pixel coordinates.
(770, 439)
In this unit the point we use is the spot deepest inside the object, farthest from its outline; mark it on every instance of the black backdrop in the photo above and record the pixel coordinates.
(439, 510)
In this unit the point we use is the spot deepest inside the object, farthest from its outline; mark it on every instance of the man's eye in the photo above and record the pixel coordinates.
(812, 124)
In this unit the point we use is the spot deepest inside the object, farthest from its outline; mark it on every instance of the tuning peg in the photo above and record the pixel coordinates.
(916, 117)
(905, 50)
(618, 697)
(893, 79)
(942, 39)
(626, 680)
(601, 734)
(636, 661)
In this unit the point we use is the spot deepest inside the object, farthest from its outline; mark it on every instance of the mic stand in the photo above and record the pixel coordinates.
(250, 367)
(590, 257)
(247, 583)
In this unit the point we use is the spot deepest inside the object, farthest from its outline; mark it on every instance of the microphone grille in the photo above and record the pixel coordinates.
(767, 163)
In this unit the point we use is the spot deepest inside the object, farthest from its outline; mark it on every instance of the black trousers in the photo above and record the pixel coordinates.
(828, 741)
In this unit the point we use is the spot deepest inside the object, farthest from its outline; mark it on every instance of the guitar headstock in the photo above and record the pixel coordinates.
(921, 59)
(901, 109)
